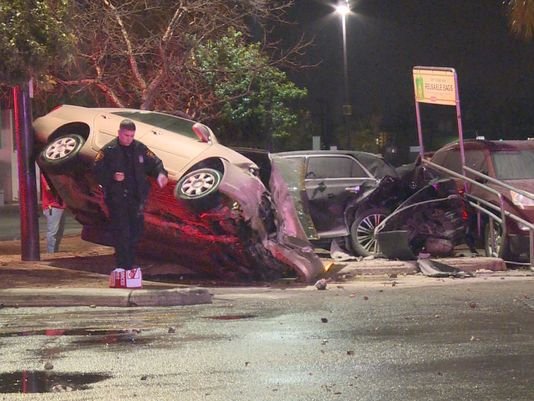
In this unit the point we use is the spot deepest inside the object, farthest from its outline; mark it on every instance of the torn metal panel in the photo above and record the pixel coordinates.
(433, 268)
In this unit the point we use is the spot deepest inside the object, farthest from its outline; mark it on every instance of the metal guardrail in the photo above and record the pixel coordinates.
(500, 208)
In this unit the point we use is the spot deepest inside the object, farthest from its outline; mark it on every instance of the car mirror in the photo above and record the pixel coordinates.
(202, 132)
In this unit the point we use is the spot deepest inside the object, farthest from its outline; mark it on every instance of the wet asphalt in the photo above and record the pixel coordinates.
(407, 338)
(411, 338)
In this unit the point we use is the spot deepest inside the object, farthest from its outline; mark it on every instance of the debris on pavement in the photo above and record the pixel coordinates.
(321, 284)
(433, 268)
(340, 255)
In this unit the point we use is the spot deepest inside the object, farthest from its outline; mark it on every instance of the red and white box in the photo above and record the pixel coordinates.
(120, 278)
(134, 278)
(117, 278)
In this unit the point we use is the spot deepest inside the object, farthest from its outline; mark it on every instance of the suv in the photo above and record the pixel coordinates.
(341, 194)
(511, 162)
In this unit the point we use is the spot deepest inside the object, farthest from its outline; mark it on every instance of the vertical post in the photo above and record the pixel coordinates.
(345, 59)
(531, 238)
(343, 9)
(459, 120)
(419, 130)
(29, 223)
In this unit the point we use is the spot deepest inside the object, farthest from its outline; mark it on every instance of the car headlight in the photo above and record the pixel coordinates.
(521, 200)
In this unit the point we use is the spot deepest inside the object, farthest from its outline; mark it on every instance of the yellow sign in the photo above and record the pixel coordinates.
(435, 85)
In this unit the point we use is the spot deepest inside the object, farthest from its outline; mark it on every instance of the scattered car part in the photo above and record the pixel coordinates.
(434, 268)
(430, 220)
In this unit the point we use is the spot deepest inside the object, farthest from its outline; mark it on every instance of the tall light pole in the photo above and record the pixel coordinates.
(343, 9)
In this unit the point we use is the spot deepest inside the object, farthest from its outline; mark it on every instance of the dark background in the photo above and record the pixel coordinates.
(387, 38)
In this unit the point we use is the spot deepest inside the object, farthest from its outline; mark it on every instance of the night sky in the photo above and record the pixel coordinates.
(387, 38)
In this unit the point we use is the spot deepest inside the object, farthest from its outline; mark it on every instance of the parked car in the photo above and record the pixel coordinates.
(511, 162)
(215, 216)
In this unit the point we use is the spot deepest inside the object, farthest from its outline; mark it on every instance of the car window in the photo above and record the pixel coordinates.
(513, 165)
(163, 121)
(334, 167)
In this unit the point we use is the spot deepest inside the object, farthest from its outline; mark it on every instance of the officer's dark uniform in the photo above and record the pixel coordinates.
(126, 199)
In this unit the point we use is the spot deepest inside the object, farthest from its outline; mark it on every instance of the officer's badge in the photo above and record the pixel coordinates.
(99, 156)
(141, 159)
(150, 154)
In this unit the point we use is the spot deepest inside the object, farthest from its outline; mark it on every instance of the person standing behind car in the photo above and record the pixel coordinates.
(122, 168)
(54, 212)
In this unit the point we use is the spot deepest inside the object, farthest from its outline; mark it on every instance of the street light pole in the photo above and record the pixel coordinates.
(343, 9)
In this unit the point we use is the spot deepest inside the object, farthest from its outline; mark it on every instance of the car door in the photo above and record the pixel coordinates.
(331, 181)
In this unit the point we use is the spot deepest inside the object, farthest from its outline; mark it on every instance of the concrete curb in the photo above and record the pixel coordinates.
(382, 266)
(23, 297)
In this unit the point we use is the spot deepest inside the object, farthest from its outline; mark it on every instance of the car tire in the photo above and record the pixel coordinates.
(363, 240)
(499, 247)
(60, 154)
(199, 187)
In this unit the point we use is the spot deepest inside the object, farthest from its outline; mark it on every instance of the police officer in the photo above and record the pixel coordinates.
(122, 168)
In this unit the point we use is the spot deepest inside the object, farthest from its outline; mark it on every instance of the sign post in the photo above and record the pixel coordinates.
(437, 85)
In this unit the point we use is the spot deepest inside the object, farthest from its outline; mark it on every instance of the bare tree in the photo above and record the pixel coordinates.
(139, 53)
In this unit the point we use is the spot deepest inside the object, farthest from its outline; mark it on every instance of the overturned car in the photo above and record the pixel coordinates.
(216, 216)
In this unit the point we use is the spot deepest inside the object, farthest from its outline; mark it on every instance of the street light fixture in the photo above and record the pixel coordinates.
(343, 9)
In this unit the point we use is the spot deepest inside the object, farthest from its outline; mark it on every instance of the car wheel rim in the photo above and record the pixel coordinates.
(199, 184)
(61, 148)
(365, 233)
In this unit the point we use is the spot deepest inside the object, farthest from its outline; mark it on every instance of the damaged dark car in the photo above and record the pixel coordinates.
(359, 198)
